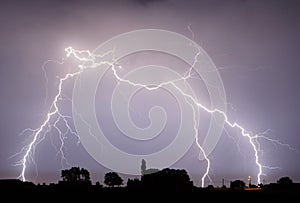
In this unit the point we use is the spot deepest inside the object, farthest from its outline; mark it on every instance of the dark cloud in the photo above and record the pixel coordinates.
(147, 2)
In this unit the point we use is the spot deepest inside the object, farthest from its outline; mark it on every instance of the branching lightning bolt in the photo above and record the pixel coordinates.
(54, 110)
(90, 59)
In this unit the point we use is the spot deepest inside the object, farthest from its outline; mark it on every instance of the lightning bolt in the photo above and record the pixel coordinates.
(89, 58)
(54, 110)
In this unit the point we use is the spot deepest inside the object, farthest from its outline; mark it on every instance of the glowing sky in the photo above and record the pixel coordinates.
(254, 44)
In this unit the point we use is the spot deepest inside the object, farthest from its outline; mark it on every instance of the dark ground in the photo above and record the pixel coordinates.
(27, 192)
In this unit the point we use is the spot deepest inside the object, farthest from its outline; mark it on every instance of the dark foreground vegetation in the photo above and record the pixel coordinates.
(167, 185)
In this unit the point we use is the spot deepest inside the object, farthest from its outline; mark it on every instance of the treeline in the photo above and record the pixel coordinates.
(153, 186)
(166, 178)
(150, 179)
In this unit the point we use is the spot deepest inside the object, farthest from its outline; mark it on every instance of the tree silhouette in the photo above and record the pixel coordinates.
(85, 175)
(167, 178)
(112, 179)
(210, 187)
(237, 184)
(75, 174)
(285, 181)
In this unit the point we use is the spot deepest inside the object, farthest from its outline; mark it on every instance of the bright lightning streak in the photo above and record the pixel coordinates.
(53, 111)
(76, 54)
(90, 58)
(233, 125)
(196, 124)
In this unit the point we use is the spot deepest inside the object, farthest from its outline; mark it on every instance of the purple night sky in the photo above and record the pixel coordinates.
(255, 44)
